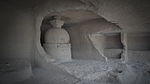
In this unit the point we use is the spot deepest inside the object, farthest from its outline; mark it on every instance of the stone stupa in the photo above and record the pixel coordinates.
(57, 41)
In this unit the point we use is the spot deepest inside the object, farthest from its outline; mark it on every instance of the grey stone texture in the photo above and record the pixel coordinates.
(109, 41)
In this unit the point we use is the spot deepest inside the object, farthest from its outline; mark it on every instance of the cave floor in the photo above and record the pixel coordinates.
(90, 72)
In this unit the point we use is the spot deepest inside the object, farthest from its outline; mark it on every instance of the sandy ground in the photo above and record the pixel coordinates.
(91, 72)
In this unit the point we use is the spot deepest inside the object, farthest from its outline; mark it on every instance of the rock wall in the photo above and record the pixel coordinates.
(20, 32)
(16, 33)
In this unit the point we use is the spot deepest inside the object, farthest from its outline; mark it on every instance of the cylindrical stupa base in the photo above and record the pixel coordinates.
(60, 52)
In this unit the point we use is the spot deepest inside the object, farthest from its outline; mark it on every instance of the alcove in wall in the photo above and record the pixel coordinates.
(108, 44)
(80, 24)
(113, 46)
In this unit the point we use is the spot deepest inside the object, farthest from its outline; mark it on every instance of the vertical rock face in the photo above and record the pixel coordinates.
(16, 44)
(57, 41)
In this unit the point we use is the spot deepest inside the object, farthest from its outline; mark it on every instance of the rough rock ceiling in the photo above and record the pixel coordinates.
(128, 14)
(74, 16)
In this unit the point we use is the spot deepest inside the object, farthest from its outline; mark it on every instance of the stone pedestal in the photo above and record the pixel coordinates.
(60, 52)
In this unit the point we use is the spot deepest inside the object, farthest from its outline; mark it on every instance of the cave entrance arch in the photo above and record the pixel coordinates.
(77, 22)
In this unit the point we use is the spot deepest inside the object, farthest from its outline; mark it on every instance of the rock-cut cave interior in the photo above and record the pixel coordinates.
(75, 42)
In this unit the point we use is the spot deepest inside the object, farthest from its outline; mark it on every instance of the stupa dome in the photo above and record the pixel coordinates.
(56, 35)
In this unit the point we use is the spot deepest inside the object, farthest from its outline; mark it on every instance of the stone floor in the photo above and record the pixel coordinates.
(91, 72)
